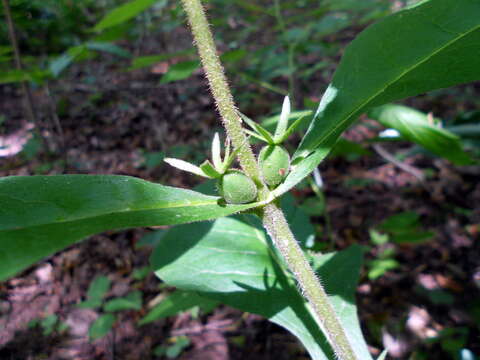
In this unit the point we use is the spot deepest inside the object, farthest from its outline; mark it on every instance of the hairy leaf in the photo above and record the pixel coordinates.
(230, 261)
(435, 44)
(40, 215)
(416, 127)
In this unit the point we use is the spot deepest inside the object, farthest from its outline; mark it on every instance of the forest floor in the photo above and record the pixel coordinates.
(121, 122)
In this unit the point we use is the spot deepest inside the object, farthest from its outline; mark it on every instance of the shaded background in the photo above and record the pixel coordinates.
(120, 99)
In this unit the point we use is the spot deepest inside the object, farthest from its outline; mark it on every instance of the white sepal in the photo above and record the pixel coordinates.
(216, 158)
(283, 121)
(185, 166)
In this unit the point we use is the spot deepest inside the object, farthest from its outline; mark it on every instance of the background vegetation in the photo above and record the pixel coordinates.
(116, 86)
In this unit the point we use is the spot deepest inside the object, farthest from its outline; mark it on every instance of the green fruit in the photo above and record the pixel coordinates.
(237, 188)
(274, 162)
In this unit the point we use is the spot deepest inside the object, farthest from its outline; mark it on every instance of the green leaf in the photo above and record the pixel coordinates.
(400, 222)
(292, 128)
(298, 220)
(432, 45)
(101, 326)
(60, 63)
(378, 238)
(133, 301)
(123, 13)
(98, 288)
(233, 55)
(40, 215)
(149, 60)
(210, 170)
(436, 296)
(72, 54)
(174, 350)
(378, 267)
(78, 52)
(415, 126)
(301, 169)
(48, 324)
(90, 304)
(14, 76)
(175, 303)
(141, 273)
(413, 237)
(270, 122)
(180, 71)
(5, 49)
(230, 261)
(107, 47)
(259, 129)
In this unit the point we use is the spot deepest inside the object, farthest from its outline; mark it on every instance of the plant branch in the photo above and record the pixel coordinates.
(219, 87)
(272, 216)
(279, 230)
(401, 165)
(29, 108)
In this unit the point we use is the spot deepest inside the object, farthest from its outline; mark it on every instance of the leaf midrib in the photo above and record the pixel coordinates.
(83, 218)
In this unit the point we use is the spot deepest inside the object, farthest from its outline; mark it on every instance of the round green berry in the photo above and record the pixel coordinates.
(274, 162)
(237, 188)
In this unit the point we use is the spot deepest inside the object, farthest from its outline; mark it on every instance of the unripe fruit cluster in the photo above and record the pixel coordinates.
(273, 160)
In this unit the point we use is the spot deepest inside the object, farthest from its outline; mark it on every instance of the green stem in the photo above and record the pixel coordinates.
(219, 87)
(272, 216)
(279, 230)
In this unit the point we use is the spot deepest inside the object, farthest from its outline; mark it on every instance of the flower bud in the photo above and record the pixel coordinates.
(237, 188)
(274, 162)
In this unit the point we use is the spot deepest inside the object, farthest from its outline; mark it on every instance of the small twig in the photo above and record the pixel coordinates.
(29, 108)
(52, 104)
(380, 150)
(56, 120)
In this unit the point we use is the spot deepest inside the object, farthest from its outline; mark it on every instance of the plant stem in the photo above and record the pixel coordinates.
(272, 216)
(219, 87)
(28, 101)
(279, 230)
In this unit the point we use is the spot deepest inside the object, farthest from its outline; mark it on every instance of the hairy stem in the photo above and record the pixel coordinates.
(273, 218)
(279, 230)
(219, 87)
